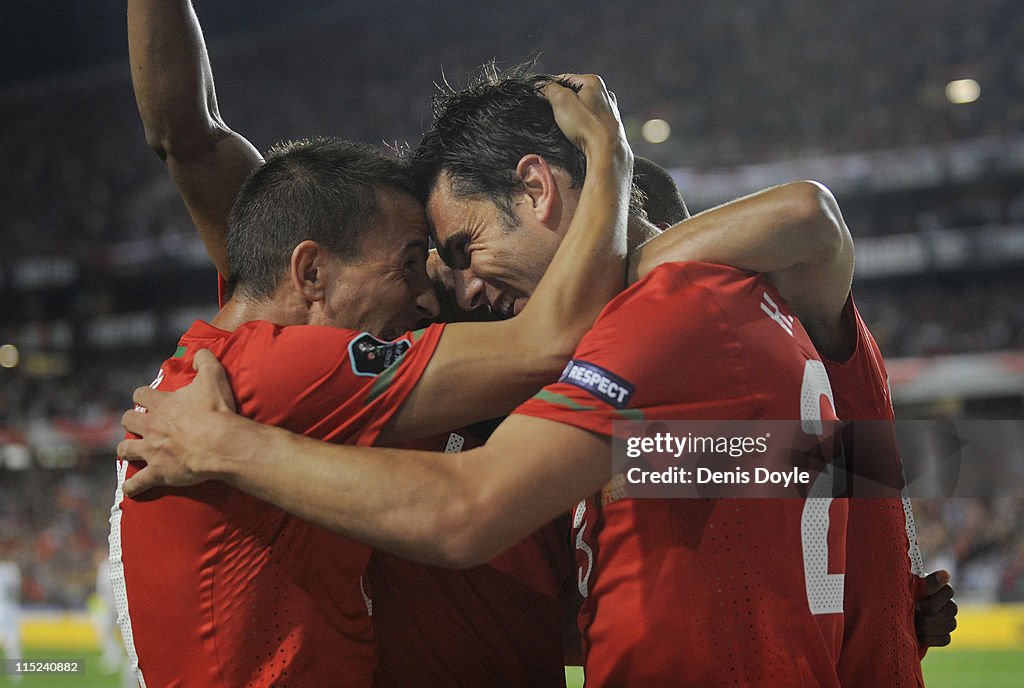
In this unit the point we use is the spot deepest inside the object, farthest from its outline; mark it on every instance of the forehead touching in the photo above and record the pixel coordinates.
(450, 219)
(399, 224)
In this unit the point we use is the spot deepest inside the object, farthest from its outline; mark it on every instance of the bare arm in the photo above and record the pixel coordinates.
(794, 233)
(174, 89)
(483, 370)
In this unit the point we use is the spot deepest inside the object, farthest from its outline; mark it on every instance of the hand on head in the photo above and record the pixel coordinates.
(586, 112)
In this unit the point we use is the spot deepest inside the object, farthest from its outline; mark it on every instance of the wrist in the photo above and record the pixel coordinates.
(233, 444)
(613, 152)
(610, 171)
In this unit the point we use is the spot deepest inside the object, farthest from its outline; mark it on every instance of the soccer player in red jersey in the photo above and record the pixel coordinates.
(881, 641)
(328, 233)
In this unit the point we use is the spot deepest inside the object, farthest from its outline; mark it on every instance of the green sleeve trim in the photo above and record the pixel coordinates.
(180, 352)
(562, 400)
(384, 380)
(573, 405)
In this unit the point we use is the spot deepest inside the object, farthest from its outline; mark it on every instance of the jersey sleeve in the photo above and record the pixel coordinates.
(333, 384)
(672, 321)
(860, 383)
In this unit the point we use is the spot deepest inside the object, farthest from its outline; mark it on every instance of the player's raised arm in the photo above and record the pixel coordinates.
(482, 370)
(794, 232)
(174, 89)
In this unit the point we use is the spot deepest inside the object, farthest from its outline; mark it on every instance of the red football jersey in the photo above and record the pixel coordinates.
(217, 588)
(700, 591)
(493, 625)
(884, 564)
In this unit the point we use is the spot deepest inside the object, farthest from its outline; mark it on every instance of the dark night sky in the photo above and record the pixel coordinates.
(62, 36)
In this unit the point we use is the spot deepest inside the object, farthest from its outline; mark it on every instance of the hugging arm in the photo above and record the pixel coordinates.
(454, 510)
(794, 233)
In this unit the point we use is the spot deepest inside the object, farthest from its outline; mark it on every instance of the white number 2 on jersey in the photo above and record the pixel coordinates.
(824, 589)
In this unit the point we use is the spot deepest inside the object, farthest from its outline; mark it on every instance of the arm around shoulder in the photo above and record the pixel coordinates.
(817, 287)
(794, 233)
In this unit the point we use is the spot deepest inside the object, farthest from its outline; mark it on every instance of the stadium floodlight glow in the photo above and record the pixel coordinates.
(656, 131)
(963, 91)
(9, 356)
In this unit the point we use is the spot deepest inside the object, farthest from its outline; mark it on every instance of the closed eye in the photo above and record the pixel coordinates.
(416, 256)
(455, 251)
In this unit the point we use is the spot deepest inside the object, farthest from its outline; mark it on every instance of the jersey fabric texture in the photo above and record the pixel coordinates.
(700, 591)
(884, 564)
(498, 624)
(217, 588)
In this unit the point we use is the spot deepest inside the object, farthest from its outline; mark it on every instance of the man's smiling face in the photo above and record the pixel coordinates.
(498, 262)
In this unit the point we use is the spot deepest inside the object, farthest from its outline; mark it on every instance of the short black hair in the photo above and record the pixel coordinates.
(481, 133)
(322, 189)
(662, 200)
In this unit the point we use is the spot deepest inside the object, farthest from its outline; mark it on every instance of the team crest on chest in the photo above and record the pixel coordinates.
(371, 356)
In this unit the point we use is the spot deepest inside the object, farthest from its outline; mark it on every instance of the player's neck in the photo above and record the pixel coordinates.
(241, 309)
(639, 231)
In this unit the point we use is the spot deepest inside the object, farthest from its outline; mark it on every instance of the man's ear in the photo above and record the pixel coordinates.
(540, 188)
(306, 270)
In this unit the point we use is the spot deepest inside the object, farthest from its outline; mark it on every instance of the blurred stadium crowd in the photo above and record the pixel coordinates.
(101, 268)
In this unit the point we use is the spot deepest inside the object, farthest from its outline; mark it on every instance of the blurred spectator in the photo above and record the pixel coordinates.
(980, 542)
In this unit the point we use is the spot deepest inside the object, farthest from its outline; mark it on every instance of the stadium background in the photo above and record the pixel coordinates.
(101, 268)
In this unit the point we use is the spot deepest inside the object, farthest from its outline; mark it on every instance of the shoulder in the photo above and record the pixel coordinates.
(677, 307)
(697, 290)
(296, 348)
(668, 280)
(307, 371)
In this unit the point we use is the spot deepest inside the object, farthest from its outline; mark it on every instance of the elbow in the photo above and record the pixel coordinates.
(463, 543)
(825, 232)
(158, 140)
(467, 534)
(185, 141)
(457, 553)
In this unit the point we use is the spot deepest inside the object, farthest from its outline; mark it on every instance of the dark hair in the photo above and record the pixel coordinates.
(662, 200)
(323, 189)
(481, 132)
